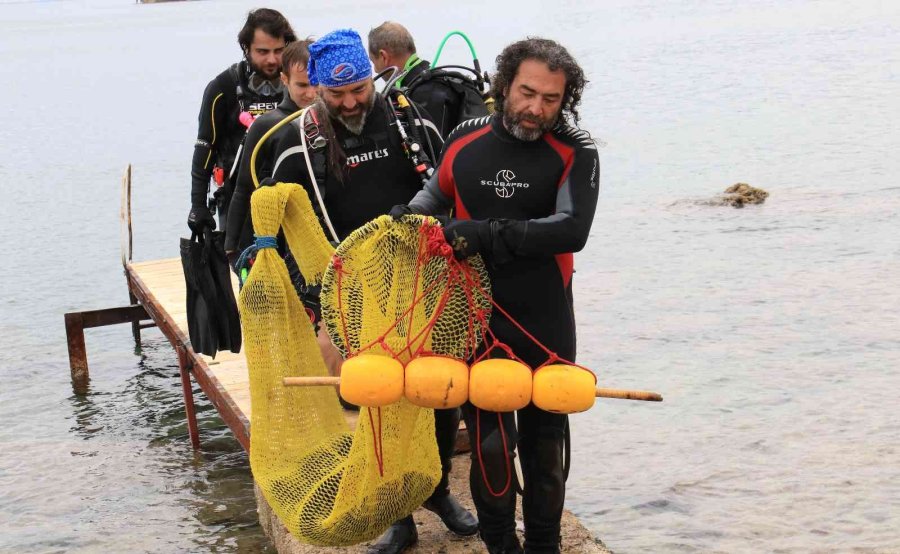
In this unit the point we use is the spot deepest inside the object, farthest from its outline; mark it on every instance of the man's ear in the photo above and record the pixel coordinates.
(284, 78)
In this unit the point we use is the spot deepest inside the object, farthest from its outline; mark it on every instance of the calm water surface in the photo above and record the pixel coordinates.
(772, 331)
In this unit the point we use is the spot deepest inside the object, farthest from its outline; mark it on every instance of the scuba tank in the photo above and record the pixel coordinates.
(455, 93)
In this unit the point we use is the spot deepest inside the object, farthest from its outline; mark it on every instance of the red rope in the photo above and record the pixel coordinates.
(428, 327)
(399, 319)
(377, 441)
(484, 476)
(412, 312)
(338, 264)
(552, 357)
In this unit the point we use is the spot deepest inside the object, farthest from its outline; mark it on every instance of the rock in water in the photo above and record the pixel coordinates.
(739, 194)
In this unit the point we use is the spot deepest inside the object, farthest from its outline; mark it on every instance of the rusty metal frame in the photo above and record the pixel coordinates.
(144, 306)
(77, 322)
(191, 363)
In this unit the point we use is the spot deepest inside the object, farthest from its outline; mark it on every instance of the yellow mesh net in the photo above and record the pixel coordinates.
(392, 289)
(327, 485)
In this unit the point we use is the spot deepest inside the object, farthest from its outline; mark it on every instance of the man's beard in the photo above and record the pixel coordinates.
(513, 123)
(353, 123)
(260, 72)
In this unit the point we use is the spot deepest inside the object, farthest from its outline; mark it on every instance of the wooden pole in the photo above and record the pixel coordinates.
(184, 365)
(311, 381)
(126, 242)
(629, 395)
(77, 352)
(601, 393)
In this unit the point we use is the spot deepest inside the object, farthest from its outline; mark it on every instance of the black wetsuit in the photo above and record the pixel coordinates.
(239, 233)
(541, 195)
(445, 97)
(377, 176)
(220, 132)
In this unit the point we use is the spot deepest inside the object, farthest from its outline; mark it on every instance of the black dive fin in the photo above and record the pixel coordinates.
(227, 316)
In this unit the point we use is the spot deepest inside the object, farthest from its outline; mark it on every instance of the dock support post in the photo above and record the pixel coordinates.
(77, 352)
(135, 323)
(184, 366)
(77, 322)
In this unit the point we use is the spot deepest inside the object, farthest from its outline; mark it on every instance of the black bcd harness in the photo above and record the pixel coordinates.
(462, 97)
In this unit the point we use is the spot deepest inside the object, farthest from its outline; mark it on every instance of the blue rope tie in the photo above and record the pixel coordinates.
(262, 241)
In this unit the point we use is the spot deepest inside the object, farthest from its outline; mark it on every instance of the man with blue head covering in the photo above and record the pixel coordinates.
(341, 67)
(362, 168)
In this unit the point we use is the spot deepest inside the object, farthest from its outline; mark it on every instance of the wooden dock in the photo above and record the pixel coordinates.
(159, 286)
(157, 291)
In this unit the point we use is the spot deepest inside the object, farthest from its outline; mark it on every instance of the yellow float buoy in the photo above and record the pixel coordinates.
(563, 389)
(437, 382)
(371, 380)
(500, 385)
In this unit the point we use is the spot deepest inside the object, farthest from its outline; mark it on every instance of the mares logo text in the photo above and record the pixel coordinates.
(357, 159)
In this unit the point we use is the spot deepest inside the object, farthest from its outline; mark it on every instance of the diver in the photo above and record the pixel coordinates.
(239, 234)
(371, 160)
(524, 185)
(300, 94)
(449, 97)
(231, 101)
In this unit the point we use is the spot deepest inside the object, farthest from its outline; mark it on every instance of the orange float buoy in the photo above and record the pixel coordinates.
(437, 382)
(563, 389)
(500, 385)
(371, 380)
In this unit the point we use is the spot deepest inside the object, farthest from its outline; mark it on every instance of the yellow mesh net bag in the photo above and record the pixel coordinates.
(392, 288)
(327, 485)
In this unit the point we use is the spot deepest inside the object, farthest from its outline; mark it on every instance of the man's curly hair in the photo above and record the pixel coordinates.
(555, 56)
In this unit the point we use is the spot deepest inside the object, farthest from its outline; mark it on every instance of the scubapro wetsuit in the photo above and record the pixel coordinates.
(540, 197)
(220, 131)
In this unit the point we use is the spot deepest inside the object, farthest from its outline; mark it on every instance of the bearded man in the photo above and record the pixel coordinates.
(252, 87)
(361, 172)
(523, 184)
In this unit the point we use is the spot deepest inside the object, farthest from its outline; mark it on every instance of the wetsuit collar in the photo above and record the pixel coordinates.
(288, 105)
(413, 66)
(500, 129)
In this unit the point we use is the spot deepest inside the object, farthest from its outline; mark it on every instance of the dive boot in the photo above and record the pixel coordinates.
(399, 536)
(507, 544)
(457, 519)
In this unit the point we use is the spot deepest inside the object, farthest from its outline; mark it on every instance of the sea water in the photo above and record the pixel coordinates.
(771, 331)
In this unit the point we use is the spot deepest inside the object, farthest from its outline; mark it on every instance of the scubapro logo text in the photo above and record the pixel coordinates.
(504, 183)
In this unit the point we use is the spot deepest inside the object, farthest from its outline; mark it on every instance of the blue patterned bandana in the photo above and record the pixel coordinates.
(339, 58)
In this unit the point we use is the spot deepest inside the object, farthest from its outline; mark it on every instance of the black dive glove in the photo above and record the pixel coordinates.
(399, 211)
(468, 237)
(200, 218)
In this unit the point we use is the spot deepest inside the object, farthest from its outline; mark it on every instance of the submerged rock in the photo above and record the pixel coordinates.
(739, 194)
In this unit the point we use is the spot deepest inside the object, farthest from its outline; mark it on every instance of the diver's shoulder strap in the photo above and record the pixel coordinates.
(318, 157)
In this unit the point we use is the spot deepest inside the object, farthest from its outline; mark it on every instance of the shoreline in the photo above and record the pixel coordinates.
(434, 538)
